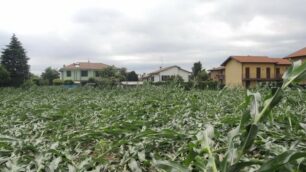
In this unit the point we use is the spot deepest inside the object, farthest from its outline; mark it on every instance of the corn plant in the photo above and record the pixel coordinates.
(151, 128)
(241, 139)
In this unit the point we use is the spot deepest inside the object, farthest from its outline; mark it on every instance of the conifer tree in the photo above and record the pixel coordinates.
(15, 61)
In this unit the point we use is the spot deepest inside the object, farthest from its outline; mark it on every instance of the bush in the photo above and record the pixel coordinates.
(28, 83)
(68, 82)
(57, 82)
(207, 85)
(107, 82)
(41, 82)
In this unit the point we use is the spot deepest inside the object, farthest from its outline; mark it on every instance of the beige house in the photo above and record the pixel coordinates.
(164, 74)
(248, 71)
(217, 74)
(81, 71)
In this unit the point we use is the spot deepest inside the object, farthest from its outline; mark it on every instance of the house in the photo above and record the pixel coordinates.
(164, 74)
(217, 74)
(81, 71)
(298, 55)
(248, 71)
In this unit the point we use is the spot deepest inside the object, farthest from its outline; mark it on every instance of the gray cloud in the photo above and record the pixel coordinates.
(170, 32)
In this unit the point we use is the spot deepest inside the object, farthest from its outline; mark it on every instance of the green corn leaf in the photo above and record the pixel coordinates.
(170, 166)
(296, 73)
(248, 138)
(280, 160)
(239, 166)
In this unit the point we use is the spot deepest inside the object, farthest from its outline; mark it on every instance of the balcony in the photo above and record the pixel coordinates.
(262, 79)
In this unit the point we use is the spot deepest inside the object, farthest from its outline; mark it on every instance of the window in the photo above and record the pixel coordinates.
(278, 75)
(247, 72)
(258, 73)
(268, 71)
(84, 73)
(68, 73)
(97, 73)
(165, 77)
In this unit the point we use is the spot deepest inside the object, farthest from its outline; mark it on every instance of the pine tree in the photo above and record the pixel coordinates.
(15, 61)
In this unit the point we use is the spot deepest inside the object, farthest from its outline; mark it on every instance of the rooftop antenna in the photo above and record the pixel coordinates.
(161, 62)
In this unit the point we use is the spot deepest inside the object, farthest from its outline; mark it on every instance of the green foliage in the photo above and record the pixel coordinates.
(206, 85)
(4, 76)
(202, 76)
(58, 82)
(197, 67)
(132, 76)
(15, 61)
(50, 75)
(153, 128)
(112, 72)
(68, 82)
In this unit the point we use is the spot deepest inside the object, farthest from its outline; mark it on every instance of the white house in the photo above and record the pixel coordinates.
(81, 71)
(163, 74)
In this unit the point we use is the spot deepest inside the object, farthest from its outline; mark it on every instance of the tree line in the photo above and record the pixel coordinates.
(15, 70)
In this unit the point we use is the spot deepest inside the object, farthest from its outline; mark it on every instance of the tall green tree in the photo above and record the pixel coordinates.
(197, 67)
(50, 74)
(15, 61)
(132, 76)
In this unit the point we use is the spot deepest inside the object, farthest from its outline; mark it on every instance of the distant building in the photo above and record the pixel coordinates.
(248, 71)
(164, 74)
(217, 74)
(298, 55)
(81, 71)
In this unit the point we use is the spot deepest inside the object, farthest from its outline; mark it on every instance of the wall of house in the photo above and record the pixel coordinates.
(76, 75)
(283, 68)
(298, 58)
(233, 74)
(216, 75)
(263, 67)
(172, 72)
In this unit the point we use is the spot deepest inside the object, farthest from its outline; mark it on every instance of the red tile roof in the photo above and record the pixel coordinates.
(257, 59)
(281, 61)
(86, 65)
(299, 53)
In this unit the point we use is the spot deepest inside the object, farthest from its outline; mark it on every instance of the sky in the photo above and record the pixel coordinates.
(143, 35)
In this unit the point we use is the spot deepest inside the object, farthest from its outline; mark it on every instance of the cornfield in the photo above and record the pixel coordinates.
(153, 129)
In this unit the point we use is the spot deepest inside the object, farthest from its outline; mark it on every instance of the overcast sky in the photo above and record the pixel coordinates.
(142, 35)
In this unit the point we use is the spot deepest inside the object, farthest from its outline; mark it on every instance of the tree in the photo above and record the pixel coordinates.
(132, 76)
(50, 74)
(197, 67)
(122, 74)
(4, 76)
(15, 61)
(114, 73)
(202, 76)
(108, 72)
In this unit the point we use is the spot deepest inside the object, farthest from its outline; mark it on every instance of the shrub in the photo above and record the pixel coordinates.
(107, 82)
(68, 82)
(58, 82)
(207, 85)
(42, 82)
